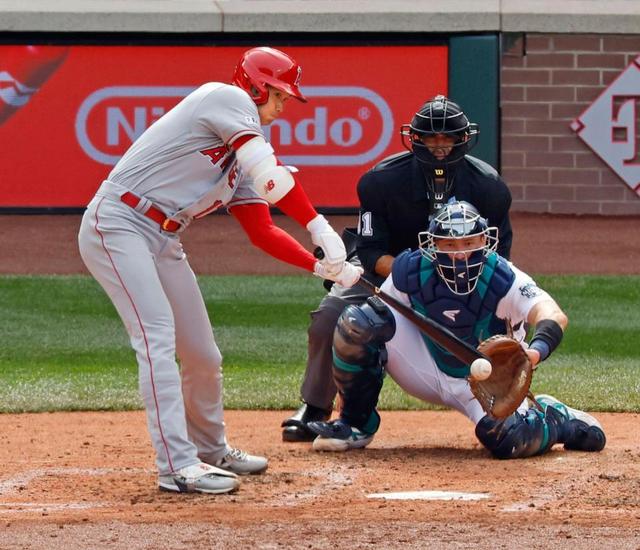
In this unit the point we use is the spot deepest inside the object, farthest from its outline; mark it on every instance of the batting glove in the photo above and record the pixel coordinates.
(347, 276)
(324, 236)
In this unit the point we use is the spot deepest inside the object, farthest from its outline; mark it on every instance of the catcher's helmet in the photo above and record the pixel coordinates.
(260, 67)
(458, 267)
(440, 116)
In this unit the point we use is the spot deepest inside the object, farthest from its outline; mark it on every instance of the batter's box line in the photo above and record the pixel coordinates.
(40, 507)
(11, 485)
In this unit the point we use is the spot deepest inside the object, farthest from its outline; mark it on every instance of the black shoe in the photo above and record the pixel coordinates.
(579, 430)
(579, 436)
(295, 427)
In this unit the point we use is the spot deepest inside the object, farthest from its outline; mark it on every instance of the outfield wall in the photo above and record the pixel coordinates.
(558, 107)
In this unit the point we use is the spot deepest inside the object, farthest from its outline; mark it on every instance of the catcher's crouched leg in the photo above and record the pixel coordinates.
(359, 357)
(520, 435)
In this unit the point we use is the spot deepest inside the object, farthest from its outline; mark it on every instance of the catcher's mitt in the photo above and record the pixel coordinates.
(507, 386)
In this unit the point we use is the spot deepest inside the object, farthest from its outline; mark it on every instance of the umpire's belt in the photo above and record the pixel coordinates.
(152, 212)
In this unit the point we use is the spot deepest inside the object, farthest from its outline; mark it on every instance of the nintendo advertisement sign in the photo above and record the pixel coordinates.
(67, 113)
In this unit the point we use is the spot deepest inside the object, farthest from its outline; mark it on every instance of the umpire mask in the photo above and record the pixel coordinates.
(451, 136)
(458, 242)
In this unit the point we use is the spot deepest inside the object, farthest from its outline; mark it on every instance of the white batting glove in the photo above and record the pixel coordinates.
(347, 276)
(324, 236)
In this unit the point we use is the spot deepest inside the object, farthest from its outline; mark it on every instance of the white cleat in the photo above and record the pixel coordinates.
(570, 413)
(199, 478)
(242, 463)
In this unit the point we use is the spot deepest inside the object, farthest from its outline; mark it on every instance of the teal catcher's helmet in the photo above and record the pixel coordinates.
(459, 267)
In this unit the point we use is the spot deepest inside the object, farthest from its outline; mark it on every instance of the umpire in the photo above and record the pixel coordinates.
(398, 196)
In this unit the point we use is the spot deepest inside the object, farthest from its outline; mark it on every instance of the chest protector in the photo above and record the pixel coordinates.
(470, 317)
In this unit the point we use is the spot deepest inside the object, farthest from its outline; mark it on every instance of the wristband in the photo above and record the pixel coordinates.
(541, 347)
(546, 338)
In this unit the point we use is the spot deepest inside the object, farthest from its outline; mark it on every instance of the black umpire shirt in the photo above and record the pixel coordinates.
(394, 204)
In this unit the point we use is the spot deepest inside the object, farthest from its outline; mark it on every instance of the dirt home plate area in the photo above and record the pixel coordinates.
(87, 479)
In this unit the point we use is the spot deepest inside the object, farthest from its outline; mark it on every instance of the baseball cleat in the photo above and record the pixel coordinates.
(199, 478)
(338, 436)
(242, 463)
(580, 431)
(295, 427)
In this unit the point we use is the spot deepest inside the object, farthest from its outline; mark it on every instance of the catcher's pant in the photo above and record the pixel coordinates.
(148, 278)
(318, 388)
(412, 367)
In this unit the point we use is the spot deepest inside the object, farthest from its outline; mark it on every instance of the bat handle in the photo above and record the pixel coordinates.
(318, 253)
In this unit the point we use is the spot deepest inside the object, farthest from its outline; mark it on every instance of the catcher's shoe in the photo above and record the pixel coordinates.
(580, 431)
(242, 463)
(338, 436)
(199, 478)
(295, 427)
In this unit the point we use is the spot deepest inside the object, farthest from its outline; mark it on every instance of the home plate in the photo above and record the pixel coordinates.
(430, 495)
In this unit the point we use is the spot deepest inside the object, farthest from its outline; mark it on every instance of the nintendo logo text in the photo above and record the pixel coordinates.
(346, 126)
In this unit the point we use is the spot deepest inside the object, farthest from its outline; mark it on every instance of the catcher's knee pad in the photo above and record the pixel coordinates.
(361, 332)
(359, 357)
(518, 435)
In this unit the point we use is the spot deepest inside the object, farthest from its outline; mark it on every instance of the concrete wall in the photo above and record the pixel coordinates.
(574, 16)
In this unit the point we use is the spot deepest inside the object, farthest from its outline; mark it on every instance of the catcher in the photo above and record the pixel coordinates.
(457, 279)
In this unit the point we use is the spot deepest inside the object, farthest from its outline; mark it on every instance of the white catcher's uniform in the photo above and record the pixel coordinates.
(183, 166)
(413, 368)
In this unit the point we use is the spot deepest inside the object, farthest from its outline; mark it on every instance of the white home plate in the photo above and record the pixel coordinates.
(430, 495)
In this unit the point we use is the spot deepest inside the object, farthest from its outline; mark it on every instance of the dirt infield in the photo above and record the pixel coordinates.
(86, 480)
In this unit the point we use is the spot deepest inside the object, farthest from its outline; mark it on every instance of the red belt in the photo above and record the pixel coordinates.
(152, 213)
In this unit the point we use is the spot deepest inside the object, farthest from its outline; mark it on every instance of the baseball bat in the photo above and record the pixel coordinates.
(441, 335)
(460, 349)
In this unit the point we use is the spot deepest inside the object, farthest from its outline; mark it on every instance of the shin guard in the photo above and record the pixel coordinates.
(520, 435)
(359, 357)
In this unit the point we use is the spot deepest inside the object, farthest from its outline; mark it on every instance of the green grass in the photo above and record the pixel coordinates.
(63, 347)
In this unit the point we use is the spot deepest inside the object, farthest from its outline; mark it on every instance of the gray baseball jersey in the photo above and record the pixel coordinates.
(182, 161)
(182, 166)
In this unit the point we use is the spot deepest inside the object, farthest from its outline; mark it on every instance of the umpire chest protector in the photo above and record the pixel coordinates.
(471, 317)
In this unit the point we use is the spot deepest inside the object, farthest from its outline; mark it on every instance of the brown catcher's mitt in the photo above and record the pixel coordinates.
(507, 386)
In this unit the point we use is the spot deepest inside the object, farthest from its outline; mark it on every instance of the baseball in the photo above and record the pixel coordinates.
(480, 369)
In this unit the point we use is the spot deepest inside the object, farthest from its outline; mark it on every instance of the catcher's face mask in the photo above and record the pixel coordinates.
(458, 242)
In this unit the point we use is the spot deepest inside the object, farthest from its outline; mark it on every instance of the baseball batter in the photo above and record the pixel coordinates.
(457, 279)
(209, 151)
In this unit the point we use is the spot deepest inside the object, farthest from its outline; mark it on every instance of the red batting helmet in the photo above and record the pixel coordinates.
(260, 67)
